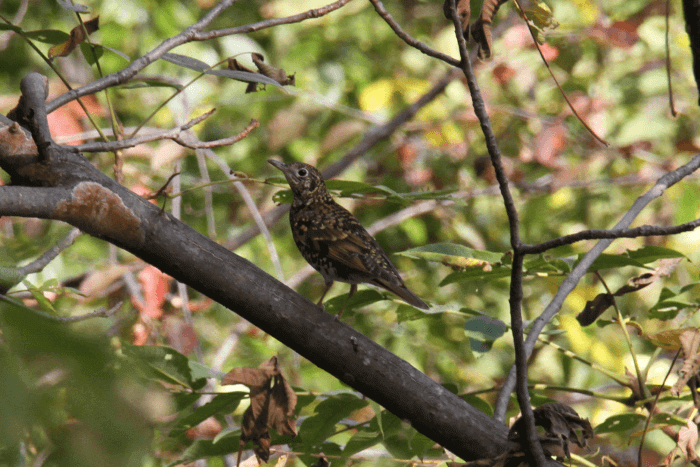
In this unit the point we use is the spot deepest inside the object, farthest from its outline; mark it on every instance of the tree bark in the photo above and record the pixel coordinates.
(56, 182)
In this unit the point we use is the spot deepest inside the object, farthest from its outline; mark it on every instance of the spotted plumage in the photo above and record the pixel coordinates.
(333, 241)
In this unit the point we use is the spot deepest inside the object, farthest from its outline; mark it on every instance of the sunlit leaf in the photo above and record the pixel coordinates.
(651, 253)
(165, 363)
(619, 423)
(48, 36)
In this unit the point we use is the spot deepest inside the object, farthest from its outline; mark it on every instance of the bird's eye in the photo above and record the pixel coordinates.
(302, 172)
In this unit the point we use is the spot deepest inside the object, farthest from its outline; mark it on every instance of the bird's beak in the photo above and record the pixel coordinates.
(279, 164)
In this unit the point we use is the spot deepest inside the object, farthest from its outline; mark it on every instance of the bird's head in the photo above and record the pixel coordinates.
(305, 180)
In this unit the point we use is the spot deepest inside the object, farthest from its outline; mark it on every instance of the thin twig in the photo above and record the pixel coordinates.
(41, 262)
(668, 64)
(99, 313)
(551, 73)
(175, 134)
(255, 212)
(642, 231)
(516, 292)
(403, 35)
(652, 409)
(194, 32)
(315, 13)
(581, 268)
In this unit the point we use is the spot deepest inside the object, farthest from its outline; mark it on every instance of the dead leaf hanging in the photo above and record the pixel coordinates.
(276, 74)
(482, 27)
(77, 37)
(596, 307)
(272, 402)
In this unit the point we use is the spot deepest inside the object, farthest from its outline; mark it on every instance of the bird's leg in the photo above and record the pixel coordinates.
(353, 289)
(329, 284)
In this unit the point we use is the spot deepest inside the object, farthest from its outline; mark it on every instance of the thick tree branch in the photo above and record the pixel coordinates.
(100, 207)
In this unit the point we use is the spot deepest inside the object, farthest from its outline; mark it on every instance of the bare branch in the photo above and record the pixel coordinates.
(317, 13)
(379, 7)
(139, 64)
(581, 268)
(41, 262)
(175, 134)
(641, 231)
(516, 290)
(99, 313)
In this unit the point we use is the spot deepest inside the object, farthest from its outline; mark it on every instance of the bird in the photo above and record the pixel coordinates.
(333, 241)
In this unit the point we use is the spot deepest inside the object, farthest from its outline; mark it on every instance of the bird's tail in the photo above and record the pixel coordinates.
(402, 291)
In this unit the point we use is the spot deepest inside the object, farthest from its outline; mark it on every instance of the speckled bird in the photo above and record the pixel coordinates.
(333, 241)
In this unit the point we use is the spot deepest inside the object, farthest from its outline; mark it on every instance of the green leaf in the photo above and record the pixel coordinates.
(222, 404)
(668, 419)
(483, 332)
(320, 426)
(358, 300)
(651, 253)
(545, 264)
(668, 309)
(476, 274)
(92, 52)
(244, 76)
(611, 261)
(9, 27)
(165, 363)
(200, 370)
(283, 197)
(360, 441)
(420, 445)
(349, 187)
(437, 251)
(227, 433)
(619, 423)
(478, 403)
(204, 448)
(48, 36)
(42, 301)
(378, 415)
(186, 62)
(439, 195)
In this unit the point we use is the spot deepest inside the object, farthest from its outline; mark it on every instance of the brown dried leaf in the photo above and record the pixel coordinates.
(235, 66)
(602, 302)
(690, 342)
(463, 10)
(687, 439)
(77, 37)
(594, 308)
(272, 402)
(560, 423)
(322, 461)
(669, 339)
(481, 29)
(278, 74)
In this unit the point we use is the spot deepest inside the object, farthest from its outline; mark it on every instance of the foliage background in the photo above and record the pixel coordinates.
(352, 72)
